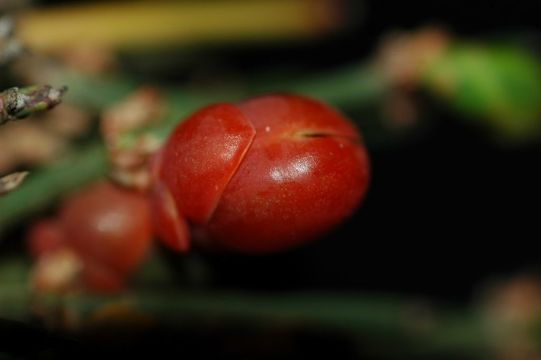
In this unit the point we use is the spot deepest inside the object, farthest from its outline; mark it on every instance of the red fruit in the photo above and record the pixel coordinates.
(264, 175)
(107, 227)
(46, 236)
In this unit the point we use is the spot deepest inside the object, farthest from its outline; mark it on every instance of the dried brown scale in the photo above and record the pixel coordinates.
(404, 56)
(511, 311)
(89, 59)
(129, 163)
(67, 121)
(11, 182)
(57, 272)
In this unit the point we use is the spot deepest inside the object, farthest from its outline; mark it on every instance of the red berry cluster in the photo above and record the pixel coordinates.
(262, 175)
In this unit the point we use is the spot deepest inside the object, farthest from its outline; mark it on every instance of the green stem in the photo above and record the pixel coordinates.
(344, 88)
(410, 322)
(375, 316)
(46, 185)
(367, 316)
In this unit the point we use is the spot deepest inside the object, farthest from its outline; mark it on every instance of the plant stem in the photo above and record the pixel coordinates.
(46, 185)
(368, 316)
(410, 320)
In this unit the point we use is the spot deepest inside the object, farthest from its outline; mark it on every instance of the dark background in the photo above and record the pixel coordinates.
(446, 211)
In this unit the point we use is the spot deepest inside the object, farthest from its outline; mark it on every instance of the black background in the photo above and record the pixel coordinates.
(444, 213)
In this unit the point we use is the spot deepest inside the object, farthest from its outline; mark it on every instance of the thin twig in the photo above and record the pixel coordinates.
(17, 103)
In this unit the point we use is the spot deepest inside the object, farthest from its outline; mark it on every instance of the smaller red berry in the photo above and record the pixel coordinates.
(106, 227)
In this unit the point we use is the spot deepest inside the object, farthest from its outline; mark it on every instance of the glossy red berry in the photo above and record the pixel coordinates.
(108, 228)
(262, 175)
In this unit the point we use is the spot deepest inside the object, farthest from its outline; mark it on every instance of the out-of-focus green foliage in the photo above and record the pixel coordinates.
(14, 288)
(498, 85)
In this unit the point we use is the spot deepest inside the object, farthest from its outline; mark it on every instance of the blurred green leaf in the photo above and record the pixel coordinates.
(14, 288)
(499, 86)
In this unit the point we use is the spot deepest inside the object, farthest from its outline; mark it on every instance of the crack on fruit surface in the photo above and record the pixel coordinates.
(324, 134)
